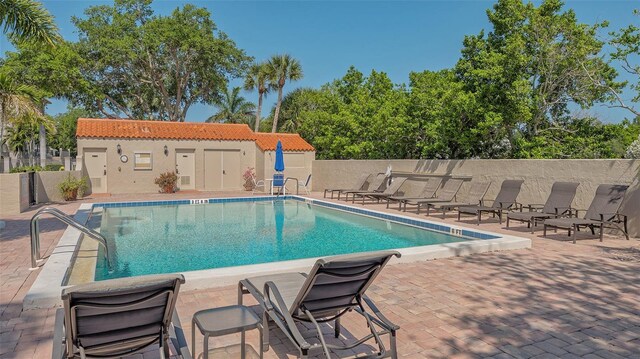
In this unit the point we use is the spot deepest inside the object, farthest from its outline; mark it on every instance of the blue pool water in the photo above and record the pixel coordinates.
(179, 238)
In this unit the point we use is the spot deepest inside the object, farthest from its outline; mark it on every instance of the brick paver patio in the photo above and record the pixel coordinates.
(554, 300)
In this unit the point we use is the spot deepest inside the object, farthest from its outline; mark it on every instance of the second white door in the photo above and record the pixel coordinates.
(185, 168)
(222, 170)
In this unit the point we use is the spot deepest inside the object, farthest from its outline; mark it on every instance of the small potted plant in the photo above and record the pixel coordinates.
(167, 182)
(248, 176)
(72, 188)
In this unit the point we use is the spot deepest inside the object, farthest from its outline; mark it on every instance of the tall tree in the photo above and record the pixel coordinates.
(233, 108)
(626, 44)
(142, 65)
(257, 78)
(28, 20)
(529, 69)
(16, 101)
(282, 68)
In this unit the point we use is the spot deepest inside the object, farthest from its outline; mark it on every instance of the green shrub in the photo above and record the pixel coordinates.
(53, 167)
(19, 169)
(72, 188)
(36, 168)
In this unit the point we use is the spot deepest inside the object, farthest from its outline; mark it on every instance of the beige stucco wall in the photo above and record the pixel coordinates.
(47, 185)
(299, 167)
(538, 175)
(122, 178)
(14, 193)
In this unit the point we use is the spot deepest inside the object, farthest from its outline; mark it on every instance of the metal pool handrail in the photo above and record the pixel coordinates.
(284, 185)
(63, 217)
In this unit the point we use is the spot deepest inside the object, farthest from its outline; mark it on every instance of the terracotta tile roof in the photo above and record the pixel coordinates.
(132, 129)
(290, 142)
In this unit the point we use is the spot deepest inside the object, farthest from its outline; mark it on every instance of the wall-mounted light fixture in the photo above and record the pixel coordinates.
(119, 149)
(166, 150)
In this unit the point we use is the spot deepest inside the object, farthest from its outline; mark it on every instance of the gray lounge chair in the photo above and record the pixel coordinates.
(475, 197)
(428, 191)
(361, 185)
(378, 184)
(558, 204)
(378, 196)
(505, 200)
(446, 194)
(602, 212)
(333, 287)
(119, 317)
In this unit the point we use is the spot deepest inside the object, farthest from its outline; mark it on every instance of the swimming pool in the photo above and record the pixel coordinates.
(169, 238)
(277, 229)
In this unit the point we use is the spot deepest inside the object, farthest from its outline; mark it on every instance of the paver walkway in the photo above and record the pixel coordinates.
(554, 300)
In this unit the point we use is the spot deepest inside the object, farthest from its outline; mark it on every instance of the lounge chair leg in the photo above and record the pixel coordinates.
(265, 331)
(480, 217)
(444, 214)
(601, 232)
(544, 231)
(418, 211)
(575, 230)
(532, 225)
(458, 215)
(507, 221)
(499, 216)
(394, 350)
(337, 328)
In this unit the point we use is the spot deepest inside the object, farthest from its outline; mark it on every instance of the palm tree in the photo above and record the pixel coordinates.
(233, 108)
(28, 20)
(16, 101)
(282, 68)
(258, 78)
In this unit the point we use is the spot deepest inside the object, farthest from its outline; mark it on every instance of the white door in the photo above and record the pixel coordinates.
(96, 164)
(185, 168)
(222, 170)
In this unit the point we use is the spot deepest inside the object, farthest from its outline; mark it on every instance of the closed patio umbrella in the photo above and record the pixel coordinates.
(278, 177)
(279, 165)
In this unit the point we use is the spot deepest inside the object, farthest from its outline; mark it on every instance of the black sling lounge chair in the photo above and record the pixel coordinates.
(505, 200)
(428, 191)
(361, 185)
(446, 194)
(119, 317)
(378, 185)
(391, 190)
(603, 212)
(474, 197)
(333, 287)
(558, 204)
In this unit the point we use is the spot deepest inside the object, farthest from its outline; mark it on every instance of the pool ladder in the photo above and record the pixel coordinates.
(283, 188)
(63, 217)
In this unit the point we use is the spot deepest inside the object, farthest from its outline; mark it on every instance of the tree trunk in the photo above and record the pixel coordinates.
(43, 146)
(274, 128)
(257, 125)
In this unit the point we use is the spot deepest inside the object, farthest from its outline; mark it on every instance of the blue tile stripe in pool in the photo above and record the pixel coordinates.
(388, 217)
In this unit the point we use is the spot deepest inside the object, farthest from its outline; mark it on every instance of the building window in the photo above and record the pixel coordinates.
(142, 161)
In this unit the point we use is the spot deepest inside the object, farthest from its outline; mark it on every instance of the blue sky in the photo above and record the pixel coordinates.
(396, 37)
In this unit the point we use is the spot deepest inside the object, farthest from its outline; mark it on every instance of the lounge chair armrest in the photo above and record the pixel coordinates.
(563, 210)
(387, 323)
(58, 336)
(612, 216)
(505, 205)
(271, 289)
(177, 337)
(534, 207)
